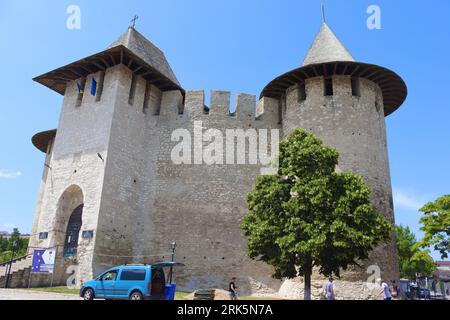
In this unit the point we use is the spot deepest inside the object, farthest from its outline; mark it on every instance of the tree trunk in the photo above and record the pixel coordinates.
(307, 289)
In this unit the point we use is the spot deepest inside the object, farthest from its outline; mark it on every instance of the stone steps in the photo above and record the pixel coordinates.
(17, 279)
(17, 266)
(19, 273)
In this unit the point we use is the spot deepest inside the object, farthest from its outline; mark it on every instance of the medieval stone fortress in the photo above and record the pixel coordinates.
(110, 193)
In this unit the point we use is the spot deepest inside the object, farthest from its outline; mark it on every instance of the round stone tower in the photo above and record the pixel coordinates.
(344, 102)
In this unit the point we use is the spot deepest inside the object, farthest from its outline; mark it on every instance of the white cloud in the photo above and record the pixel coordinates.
(8, 225)
(408, 200)
(4, 174)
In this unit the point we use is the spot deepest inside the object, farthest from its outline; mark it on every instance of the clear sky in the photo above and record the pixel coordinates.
(229, 45)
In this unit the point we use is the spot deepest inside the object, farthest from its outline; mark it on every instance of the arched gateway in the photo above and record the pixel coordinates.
(69, 220)
(73, 232)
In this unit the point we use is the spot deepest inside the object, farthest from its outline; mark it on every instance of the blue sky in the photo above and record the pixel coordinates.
(229, 45)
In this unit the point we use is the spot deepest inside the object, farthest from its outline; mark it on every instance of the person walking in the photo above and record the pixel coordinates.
(329, 289)
(232, 289)
(385, 290)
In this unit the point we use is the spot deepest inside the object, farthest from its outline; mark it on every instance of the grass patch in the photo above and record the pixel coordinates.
(181, 295)
(61, 289)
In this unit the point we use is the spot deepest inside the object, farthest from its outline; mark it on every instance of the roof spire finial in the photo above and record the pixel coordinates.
(323, 13)
(133, 21)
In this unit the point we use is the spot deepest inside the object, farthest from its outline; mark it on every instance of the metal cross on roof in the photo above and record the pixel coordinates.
(133, 21)
(323, 13)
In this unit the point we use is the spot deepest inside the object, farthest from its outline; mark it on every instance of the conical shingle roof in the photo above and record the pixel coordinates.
(327, 57)
(326, 48)
(132, 50)
(147, 51)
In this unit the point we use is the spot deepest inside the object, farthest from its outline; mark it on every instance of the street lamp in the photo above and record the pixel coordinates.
(173, 246)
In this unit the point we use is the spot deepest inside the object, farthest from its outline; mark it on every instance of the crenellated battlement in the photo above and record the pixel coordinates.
(219, 104)
(245, 107)
(140, 95)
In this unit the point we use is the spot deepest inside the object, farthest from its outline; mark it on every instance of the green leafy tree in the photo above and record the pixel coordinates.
(412, 260)
(7, 246)
(14, 238)
(3, 244)
(436, 224)
(308, 215)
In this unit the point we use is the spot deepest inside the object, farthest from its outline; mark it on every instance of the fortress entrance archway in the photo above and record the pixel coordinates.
(69, 220)
(73, 232)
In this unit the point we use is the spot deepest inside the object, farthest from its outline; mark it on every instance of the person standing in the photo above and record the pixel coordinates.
(232, 289)
(394, 289)
(385, 290)
(329, 289)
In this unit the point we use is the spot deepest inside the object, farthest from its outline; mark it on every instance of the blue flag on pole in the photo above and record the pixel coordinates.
(80, 88)
(93, 87)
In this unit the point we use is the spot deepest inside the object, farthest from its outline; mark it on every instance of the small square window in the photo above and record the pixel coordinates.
(43, 235)
(87, 234)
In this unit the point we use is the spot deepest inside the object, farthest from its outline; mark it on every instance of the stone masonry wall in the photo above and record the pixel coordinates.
(355, 126)
(148, 201)
(76, 174)
(137, 200)
(200, 205)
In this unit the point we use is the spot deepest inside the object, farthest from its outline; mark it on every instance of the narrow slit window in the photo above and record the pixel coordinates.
(328, 87)
(132, 89)
(148, 91)
(101, 80)
(355, 87)
(378, 106)
(80, 86)
(154, 103)
(301, 92)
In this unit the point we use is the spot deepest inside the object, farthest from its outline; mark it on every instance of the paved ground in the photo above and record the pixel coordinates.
(17, 294)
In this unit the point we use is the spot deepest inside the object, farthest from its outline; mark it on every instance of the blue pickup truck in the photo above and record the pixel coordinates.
(133, 282)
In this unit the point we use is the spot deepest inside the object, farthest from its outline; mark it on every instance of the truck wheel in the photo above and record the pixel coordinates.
(136, 295)
(88, 294)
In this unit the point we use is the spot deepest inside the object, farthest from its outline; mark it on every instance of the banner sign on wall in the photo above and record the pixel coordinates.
(43, 261)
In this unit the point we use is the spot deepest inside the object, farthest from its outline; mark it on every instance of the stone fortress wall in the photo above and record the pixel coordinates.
(355, 126)
(138, 201)
(151, 201)
(113, 153)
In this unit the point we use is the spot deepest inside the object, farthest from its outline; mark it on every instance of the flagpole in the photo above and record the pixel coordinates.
(53, 271)
(29, 276)
(323, 13)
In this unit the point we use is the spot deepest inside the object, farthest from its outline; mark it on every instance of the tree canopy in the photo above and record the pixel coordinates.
(6, 246)
(412, 261)
(436, 224)
(309, 215)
